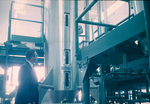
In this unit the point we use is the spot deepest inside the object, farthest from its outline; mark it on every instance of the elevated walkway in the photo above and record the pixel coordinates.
(109, 48)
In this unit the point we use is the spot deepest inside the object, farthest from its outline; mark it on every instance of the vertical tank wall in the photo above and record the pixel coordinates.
(60, 43)
(53, 51)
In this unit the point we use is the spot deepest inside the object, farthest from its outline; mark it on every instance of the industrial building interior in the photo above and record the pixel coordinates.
(89, 51)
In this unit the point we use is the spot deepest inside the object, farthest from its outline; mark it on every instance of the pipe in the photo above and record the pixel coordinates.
(86, 10)
(7, 49)
(129, 5)
(96, 23)
(76, 30)
(42, 27)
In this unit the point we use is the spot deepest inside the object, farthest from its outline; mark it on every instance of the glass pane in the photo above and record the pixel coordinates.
(27, 12)
(117, 11)
(26, 28)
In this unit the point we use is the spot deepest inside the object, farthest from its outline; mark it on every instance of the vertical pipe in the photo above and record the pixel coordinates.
(75, 73)
(10, 16)
(76, 31)
(99, 16)
(147, 26)
(105, 14)
(87, 38)
(7, 49)
(92, 30)
(129, 8)
(42, 27)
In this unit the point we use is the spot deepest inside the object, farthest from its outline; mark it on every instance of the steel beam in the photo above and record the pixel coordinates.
(86, 91)
(147, 26)
(147, 23)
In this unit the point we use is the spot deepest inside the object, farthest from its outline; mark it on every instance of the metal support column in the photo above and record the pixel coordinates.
(147, 26)
(42, 27)
(7, 48)
(99, 17)
(129, 5)
(133, 94)
(102, 86)
(86, 91)
(105, 15)
(87, 38)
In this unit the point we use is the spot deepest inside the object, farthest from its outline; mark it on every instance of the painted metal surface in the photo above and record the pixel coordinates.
(60, 37)
(118, 35)
(53, 48)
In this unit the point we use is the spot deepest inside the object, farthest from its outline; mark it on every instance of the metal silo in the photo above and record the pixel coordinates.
(60, 44)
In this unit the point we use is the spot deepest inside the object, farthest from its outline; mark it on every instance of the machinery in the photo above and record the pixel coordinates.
(96, 53)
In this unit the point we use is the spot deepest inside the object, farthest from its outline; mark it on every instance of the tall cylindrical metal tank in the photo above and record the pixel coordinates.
(60, 43)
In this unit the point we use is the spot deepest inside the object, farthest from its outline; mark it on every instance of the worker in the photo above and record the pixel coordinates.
(28, 84)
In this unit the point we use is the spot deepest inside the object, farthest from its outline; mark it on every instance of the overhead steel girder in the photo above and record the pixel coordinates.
(122, 33)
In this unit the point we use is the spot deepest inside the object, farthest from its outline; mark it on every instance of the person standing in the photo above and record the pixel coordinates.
(28, 84)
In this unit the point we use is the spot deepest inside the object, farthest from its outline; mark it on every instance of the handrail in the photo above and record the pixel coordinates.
(86, 10)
